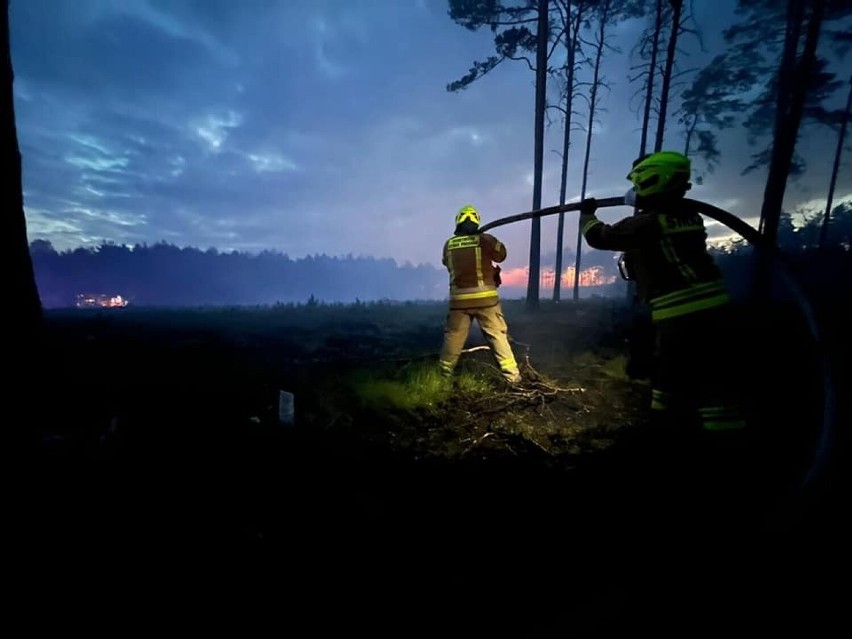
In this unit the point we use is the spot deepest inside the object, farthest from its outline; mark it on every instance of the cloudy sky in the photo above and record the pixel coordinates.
(314, 126)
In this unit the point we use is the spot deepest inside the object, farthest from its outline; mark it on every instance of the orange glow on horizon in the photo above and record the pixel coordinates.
(592, 276)
(100, 301)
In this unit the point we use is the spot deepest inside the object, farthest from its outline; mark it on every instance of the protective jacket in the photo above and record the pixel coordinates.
(666, 254)
(470, 261)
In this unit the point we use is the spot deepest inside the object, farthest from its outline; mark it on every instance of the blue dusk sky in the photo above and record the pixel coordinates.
(321, 126)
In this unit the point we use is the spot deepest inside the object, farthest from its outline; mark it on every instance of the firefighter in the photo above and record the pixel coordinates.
(470, 258)
(665, 252)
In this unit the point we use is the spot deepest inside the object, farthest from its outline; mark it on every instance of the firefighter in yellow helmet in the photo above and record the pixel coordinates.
(666, 255)
(470, 258)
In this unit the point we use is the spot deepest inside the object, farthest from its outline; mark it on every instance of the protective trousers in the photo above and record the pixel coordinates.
(695, 371)
(494, 328)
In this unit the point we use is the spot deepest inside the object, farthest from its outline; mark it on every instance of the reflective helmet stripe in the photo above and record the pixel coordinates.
(467, 213)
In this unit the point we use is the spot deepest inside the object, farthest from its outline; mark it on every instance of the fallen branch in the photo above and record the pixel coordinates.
(473, 349)
(509, 439)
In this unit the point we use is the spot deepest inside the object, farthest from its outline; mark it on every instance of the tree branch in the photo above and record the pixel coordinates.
(684, 72)
(556, 42)
(512, 22)
(478, 70)
(518, 58)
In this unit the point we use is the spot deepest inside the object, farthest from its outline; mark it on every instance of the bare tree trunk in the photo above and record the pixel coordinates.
(24, 314)
(795, 14)
(652, 69)
(646, 114)
(823, 231)
(571, 46)
(788, 131)
(540, 105)
(677, 9)
(592, 102)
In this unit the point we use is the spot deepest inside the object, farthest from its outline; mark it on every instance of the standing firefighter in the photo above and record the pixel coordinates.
(469, 257)
(665, 253)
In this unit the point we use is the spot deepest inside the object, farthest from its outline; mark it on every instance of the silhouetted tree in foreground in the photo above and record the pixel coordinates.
(773, 49)
(833, 183)
(23, 312)
(23, 315)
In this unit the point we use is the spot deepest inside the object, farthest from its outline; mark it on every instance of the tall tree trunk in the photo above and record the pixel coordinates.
(24, 314)
(540, 105)
(571, 46)
(787, 130)
(823, 231)
(677, 9)
(592, 101)
(652, 70)
(795, 15)
(646, 112)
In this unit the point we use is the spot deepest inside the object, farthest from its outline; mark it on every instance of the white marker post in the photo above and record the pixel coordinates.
(286, 408)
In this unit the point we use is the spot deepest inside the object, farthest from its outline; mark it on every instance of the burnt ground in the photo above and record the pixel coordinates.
(163, 487)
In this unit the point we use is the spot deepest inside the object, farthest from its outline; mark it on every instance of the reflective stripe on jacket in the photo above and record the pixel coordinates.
(666, 253)
(470, 261)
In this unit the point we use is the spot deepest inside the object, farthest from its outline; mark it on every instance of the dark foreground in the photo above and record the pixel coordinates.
(195, 515)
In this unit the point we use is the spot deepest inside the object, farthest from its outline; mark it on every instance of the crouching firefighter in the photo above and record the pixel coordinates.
(470, 258)
(665, 253)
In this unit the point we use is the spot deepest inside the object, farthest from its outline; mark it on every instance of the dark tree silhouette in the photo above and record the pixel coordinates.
(665, 89)
(793, 76)
(651, 41)
(771, 50)
(711, 103)
(603, 12)
(513, 36)
(25, 313)
(823, 234)
(608, 13)
(572, 18)
(672, 19)
(543, 34)
(774, 46)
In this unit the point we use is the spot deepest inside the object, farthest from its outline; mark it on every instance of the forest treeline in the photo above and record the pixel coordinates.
(163, 274)
(817, 255)
(166, 275)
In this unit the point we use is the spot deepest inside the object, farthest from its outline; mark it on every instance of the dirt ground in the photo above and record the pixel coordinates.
(551, 510)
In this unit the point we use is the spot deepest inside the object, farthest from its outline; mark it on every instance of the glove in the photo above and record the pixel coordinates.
(497, 280)
(588, 206)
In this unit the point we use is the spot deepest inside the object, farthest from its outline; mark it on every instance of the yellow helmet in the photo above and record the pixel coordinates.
(467, 212)
(661, 172)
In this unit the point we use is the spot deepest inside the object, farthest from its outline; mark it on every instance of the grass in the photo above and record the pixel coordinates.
(417, 386)
(615, 367)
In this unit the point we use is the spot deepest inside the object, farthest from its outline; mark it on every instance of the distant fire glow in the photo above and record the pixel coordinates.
(592, 276)
(100, 301)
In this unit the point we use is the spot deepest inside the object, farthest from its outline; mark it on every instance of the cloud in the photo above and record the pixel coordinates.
(172, 26)
(307, 127)
(271, 163)
(817, 205)
(214, 129)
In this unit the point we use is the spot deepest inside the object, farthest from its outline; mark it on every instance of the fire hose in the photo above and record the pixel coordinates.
(818, 464)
